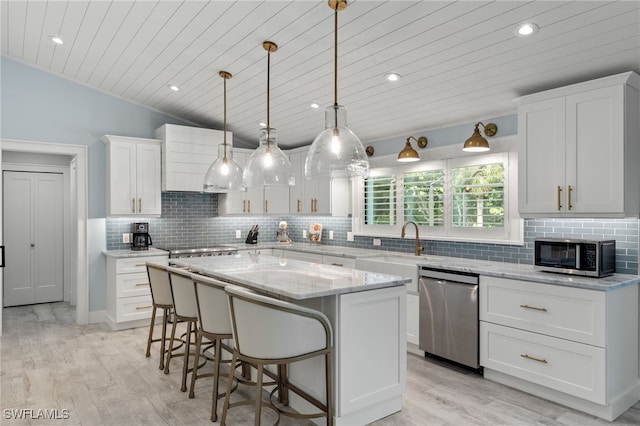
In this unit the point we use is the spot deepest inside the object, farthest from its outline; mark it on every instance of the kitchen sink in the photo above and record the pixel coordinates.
(404, 266)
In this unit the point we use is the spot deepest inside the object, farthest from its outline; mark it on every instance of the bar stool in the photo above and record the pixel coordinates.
(214, 324)
(185, 310)
(161, 299)
(268, 331)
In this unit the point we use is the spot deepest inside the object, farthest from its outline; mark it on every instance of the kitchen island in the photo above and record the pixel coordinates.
(367, 313)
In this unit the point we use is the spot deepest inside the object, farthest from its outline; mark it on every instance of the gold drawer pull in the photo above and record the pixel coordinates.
(139, 308)
(141, 284)
(532, 358)
(534, 308)
(338, 264)
(140, 265)
(559, 195)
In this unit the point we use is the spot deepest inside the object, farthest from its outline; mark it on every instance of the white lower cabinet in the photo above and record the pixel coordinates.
(345, 262)
(129, 301)
(413, 320)
(575, 346)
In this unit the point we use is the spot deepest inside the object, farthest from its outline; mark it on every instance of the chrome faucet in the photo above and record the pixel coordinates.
(419, 248)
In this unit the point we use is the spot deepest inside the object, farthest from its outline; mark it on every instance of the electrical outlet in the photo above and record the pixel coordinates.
(331, 235)
(349, 236)
(377, 242)
(238, 233)
(304, 233)
(125, 238)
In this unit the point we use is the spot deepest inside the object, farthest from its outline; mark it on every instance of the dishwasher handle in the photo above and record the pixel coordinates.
(451, 276)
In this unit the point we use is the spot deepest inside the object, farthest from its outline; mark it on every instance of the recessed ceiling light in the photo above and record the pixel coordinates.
(393, 76)
(56, 39)
(261, 124)
(314, 105)
(526, 29)
(174, 87)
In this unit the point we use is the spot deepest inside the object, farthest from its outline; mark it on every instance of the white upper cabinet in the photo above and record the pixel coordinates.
(579, 150)
(133, 176)
(308, 196)
(187, 153)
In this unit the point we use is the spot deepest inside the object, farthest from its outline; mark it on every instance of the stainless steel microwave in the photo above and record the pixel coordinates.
(591, 258)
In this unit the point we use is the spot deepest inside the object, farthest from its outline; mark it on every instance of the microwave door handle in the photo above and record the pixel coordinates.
(578, 252)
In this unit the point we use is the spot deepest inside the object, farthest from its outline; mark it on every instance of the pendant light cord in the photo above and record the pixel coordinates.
(335, 58)
(268, 98)
(224, 126)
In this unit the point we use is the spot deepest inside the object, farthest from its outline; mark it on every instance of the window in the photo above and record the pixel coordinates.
(469, 198)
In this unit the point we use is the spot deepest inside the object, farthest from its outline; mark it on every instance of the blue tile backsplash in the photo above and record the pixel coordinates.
(190, 220)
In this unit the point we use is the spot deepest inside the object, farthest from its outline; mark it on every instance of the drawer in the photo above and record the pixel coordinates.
(565, 366)
(565, 312)
(136, 284)
(345, 262)
(299, 255)
(133, 308)
(137, 264)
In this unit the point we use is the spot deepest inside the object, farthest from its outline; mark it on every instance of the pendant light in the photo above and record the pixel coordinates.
(224, 174)
(268, 165)
(336, 152)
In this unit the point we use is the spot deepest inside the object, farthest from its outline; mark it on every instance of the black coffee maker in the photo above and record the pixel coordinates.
(141, 238)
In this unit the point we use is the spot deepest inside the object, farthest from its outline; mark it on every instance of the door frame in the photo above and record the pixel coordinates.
(79, 157)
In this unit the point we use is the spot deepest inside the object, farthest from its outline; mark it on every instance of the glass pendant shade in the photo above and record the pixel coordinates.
(336, 152)
(268, 165)
(224, 174)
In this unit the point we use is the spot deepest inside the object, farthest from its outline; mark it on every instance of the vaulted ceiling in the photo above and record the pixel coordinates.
(459, 61)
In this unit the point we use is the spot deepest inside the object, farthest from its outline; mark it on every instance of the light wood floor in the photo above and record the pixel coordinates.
(103, 378)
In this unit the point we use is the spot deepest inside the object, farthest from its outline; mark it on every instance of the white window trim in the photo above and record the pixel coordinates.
(501, 149)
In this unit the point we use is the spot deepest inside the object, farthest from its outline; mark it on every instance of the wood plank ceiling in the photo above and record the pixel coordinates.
(459, 61)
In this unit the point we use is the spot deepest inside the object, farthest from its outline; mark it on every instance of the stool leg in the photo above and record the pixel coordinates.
(153, 321)
(225, 406)
(216, 378)
(185, 366)
(283, 389)
(256, 421)
(173, 335)
(164, 338)
(329, 392)
(195, 363)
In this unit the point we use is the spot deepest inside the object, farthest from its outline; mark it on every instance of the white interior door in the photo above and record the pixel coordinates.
(33, 228)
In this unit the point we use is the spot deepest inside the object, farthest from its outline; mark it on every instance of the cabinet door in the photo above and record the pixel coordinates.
(541, 180)
(413, 319)
(276, 200)
(318, 195)
(595, 151)
(296, 193)
(148, 180)
(122, 178)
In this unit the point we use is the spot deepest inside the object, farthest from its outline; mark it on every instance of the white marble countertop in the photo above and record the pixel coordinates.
(527, 273)
(287, 277)
(121, 254)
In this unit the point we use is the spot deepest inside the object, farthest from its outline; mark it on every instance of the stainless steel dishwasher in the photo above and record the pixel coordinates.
(449, 315)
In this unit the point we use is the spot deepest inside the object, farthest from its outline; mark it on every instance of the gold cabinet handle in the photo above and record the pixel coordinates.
(534, 308)
(532, 358)
(248, 206)
(298, 205)
(337, 264)
(142, 284)
(266, 206)
(559, 198)
(138, 265)
(312, 205)
(244, 206)
(133, 201)
(315, 205)
(139, 308)
(139, 205)
(569, 189)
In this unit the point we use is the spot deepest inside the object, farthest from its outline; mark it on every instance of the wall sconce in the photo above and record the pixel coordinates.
(369, 150)
(476, 143)
(409, 154)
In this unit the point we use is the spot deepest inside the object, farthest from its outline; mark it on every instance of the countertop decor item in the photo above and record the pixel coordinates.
(267, 165)
(224, 174)
(408, 154)
(315, 232)
(282, 235)
(336, 152)
(476, 143)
